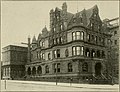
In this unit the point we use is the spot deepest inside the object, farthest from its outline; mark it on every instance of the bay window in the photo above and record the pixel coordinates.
(78, 35)
(77, 50)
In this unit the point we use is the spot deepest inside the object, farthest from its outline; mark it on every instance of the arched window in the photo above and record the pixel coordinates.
(82, 51)
(54, 29)
(88, 37)
(29, 71)
(78, 50)
(46, 69)
(103, 54)
(61, 26)
(96, 39)
(85, 67)
(81, 35)
(87, 52)
(49, 56)
(73, 50)
(98, 54)
(33, 71)
(37, 54)
(39, 70)
(42, 56)
(92, 53)
(70, 67)
(43, 44)
(77, 35)
(93, 37)
(73, 35)
(66, 53)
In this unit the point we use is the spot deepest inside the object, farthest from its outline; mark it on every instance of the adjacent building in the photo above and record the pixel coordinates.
(113, 28)
(14, 59)
(77, 46)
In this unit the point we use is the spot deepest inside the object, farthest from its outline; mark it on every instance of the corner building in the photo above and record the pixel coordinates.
(76, 46)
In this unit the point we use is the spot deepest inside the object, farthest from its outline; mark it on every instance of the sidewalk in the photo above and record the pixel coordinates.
(95, 86)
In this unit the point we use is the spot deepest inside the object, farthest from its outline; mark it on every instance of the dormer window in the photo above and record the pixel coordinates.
(57, 17)
(43, 44)
(88, 37)
(91, 24)
(61, 26)
(49, 56)
(80, 15)
(94, 15)
(42, 56)
(53, 29)
(99, 28)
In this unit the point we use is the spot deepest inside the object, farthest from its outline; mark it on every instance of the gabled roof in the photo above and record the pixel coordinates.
(69, 15)
(88, 13)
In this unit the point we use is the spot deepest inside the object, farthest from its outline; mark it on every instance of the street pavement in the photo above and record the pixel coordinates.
(15, 85)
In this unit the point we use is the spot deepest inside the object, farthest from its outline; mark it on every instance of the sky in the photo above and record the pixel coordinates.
(22, 18)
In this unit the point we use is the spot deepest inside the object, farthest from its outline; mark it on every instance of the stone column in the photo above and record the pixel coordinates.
(36, 70)
(26, 68)
(31, 70)
(93, 68)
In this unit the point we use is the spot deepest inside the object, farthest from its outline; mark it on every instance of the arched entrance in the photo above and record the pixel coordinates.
(33, 71)
(98, 68)
(29, 71)
(39, 70)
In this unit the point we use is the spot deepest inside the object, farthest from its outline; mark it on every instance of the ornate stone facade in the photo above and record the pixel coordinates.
(76, 46)
(113, 28)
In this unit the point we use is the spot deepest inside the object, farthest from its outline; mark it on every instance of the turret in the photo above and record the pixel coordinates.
(44, 32)
(34, 42)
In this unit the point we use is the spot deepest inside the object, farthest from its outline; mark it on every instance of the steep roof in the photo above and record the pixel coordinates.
(34, 40)
(89, 12)
(39, 36)
(84, 13)
(69, 15)
(45, 32)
